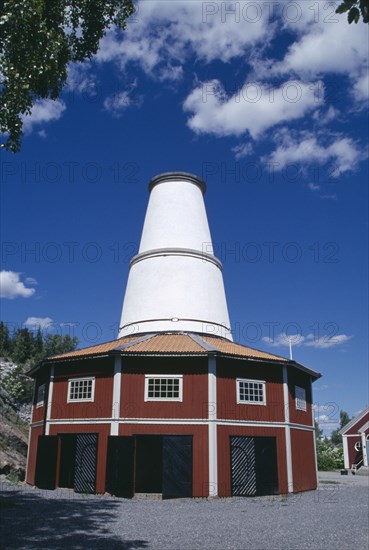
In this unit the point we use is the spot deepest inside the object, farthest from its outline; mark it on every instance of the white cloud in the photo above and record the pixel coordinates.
(327, 424)
(361, 88)
(327, 416)
(321, 387)
(81, 79)
(342, 152)
(171, 72)
(42, 112)
(117, 103)
(30, 281)
(243, 150)
(254, 108)
(34, 323)
(12, 287)
(322, 342)
(313, 187)
(283, 340)
(163, 32)
(324, 47)
(322, 118)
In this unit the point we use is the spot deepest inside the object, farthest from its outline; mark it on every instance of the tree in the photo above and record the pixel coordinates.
(5, 342)
(355, 8)
(39, 343)
(318, 432)
(55, 344)
(22, 346)
(336, 438)
(39, 38)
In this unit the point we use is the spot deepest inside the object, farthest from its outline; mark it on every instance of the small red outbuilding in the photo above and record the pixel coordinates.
(355, 437)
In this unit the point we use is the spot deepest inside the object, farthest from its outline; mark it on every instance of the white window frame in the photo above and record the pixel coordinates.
(40, 402)
(251, 381)
(81, 379)
(300, 398)
(161, 376)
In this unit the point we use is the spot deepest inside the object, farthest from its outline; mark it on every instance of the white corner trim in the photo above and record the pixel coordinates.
(212, 426)
(313, 425)
(115, 409)
(286, 402)
(49, 401)
(287, 430)
(346, 458)
(364, 445)
(30, 426)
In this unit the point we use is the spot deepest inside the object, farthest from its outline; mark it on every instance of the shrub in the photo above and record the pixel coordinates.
(329, 457)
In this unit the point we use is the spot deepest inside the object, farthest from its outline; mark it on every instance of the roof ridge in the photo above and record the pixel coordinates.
(134, 342)
(354, 420)
(198, 340)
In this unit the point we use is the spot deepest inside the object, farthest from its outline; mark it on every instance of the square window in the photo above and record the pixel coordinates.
(81, 389)
(163, 388)
(250, 391)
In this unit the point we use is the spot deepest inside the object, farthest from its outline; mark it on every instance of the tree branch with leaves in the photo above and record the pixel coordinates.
(38, 39)
(355, 9)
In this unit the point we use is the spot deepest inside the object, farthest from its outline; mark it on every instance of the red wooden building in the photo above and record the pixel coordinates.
(355, 437)
(173, 406)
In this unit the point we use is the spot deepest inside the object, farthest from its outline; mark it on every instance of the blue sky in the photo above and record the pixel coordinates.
(269, 106)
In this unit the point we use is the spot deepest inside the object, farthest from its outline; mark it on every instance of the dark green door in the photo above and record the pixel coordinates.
(47, 454)
(120, 466)
(177, 466)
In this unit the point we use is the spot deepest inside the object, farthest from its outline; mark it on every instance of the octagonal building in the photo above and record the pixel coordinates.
(173, 407)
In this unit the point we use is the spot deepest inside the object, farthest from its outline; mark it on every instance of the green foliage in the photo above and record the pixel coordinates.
(336, 438)
(18, 385)
(344, 419)
(38, 40)
(329, 456)
(330, 451)
(38, 342)
(27, 350)
(355, 8)
(13, 477)
(318, 431)
(22, 346)
(55, 344)
(5, 342)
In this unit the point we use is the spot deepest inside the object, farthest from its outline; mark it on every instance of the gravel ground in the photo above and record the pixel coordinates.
(333, 517)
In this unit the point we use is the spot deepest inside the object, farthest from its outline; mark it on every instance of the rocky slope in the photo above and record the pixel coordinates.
(13, 438)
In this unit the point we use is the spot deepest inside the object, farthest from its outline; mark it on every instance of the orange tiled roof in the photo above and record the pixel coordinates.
(100, 349)
(167, 343)
(170, 343)
(230, 348)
